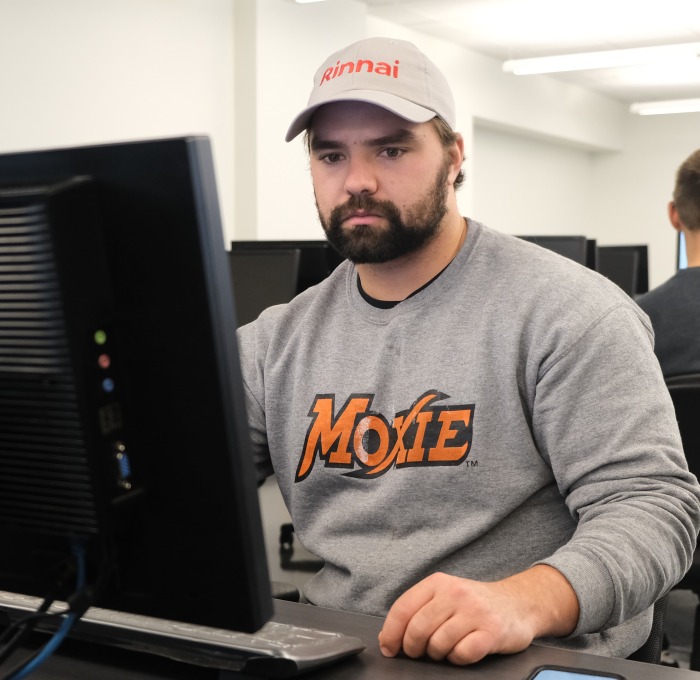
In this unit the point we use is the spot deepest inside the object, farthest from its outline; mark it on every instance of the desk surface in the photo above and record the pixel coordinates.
(80, 661)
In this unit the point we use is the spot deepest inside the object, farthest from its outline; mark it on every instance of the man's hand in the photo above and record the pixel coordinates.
(447, 617)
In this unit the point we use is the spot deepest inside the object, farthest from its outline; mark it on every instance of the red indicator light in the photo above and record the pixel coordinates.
(104, 361)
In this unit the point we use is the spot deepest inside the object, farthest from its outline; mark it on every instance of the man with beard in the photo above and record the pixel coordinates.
(472, 432)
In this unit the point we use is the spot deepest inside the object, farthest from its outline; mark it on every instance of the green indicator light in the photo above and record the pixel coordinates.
(100, 337)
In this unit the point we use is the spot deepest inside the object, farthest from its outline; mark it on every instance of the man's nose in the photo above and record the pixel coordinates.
(360, 178)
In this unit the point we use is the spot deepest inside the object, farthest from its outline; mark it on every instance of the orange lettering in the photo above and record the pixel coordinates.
(347, 66)
(401, 426)
(417, 453)
(325, 432)
(382, 68)
(452, 454)
(362, 62)
(374, 424)
(369, 442)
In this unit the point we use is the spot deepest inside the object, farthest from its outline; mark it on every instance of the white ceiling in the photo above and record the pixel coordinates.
(512, 29)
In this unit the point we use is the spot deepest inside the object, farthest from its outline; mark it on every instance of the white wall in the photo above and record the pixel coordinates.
(530, 186)
(91, 71)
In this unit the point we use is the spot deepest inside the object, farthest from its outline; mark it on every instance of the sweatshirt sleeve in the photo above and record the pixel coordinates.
(250, 349)
(605, 422)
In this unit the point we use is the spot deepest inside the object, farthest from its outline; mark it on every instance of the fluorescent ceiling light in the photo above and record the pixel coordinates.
(674, 106)
(304, 2)
(666, 54)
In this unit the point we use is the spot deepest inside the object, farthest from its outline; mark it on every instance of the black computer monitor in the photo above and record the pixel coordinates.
(317, 259)
(574, 247)
(123, 432)
(592, 254)
(262, 277)
(627, 266)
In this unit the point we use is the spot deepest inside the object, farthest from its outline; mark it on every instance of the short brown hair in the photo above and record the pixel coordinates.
(686, 195)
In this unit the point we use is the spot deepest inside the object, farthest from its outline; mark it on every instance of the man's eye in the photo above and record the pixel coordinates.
(331, 158)
(392, 152)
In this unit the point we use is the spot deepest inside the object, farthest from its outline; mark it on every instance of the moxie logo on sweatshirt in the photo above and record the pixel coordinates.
(381, 68)
(369, 444)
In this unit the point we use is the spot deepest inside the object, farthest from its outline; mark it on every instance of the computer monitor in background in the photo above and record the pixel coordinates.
(573, 247)
(627, 266)
(592, 254)
(681, 253)
(123, 432)
(316, 260)
(262, 277)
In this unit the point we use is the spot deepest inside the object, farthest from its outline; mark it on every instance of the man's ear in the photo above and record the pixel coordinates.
(457, 158)
(673, 217)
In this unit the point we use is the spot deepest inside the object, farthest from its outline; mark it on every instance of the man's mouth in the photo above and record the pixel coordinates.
(362, 217)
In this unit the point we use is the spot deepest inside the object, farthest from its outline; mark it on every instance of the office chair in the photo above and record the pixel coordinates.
(650, 651)
(685, 393)
(287, 561)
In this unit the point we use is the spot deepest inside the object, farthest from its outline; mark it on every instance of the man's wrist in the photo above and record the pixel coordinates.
(549, 600)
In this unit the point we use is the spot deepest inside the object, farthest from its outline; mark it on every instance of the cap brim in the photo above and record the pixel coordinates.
(401, 107)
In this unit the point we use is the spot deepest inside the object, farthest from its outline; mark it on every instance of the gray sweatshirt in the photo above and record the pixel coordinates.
(509, 414)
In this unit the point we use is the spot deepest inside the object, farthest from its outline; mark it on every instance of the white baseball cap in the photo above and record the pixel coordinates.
(393, 74)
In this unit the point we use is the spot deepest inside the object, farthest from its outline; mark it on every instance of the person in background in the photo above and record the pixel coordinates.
(470, 431)
(674, 306)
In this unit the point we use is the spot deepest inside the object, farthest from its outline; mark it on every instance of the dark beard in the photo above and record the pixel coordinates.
(364, 244)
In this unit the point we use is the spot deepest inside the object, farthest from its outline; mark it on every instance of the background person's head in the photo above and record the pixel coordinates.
(685, 207)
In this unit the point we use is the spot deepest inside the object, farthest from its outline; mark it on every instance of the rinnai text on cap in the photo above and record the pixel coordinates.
(382, 68)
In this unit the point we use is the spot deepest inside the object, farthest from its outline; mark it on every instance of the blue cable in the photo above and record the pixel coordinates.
(58, 637)
(48, 649)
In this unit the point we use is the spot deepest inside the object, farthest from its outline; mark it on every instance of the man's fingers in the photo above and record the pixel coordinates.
(401, 614)
(445, 634)
(471, 648)
(425, 624)
(445, 638)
